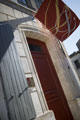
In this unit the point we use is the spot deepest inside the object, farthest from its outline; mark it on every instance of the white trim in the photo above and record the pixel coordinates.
(33, 69)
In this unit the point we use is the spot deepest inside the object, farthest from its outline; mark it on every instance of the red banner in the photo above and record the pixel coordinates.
(58, 18)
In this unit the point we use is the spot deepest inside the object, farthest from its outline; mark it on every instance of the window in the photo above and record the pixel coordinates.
(22, 1)
(77, 64)
(29, 3)
(30, 82)
(36, 48)
(26, 3)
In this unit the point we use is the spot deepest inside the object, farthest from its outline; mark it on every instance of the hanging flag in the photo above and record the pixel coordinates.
(58, 18)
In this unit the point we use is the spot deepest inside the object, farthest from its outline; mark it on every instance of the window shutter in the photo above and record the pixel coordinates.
(15, 84)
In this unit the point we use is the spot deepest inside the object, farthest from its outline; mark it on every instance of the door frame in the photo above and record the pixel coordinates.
(39, 89)
(49, 39)
(43, 53)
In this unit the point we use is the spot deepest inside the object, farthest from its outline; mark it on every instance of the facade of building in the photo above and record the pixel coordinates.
(29, 56)
(75, 58)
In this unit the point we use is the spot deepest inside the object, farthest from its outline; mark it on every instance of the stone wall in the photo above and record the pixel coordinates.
(62, 66)
(16, 18)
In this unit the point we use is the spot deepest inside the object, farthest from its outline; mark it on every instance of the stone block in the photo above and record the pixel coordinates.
(75, 108)
(36, 102)
(3, 17)
(25, 15)
(11, 18)
(18, 14)
(29, 23)
(6, 9)
(49, 115)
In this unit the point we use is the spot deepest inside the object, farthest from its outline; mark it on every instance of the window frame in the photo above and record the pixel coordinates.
(27, 3)
(77, 64)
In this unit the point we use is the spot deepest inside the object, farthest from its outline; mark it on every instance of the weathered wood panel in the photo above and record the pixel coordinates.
(2, 102)
(18, 100)
(3, 111)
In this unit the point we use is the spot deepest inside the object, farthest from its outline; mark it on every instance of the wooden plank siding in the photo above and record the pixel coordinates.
(2, 102)
(17, 97)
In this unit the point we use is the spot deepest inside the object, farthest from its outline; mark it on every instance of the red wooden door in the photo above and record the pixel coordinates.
(49, 80)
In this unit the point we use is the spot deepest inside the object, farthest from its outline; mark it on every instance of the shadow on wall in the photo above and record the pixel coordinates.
(7, 29)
